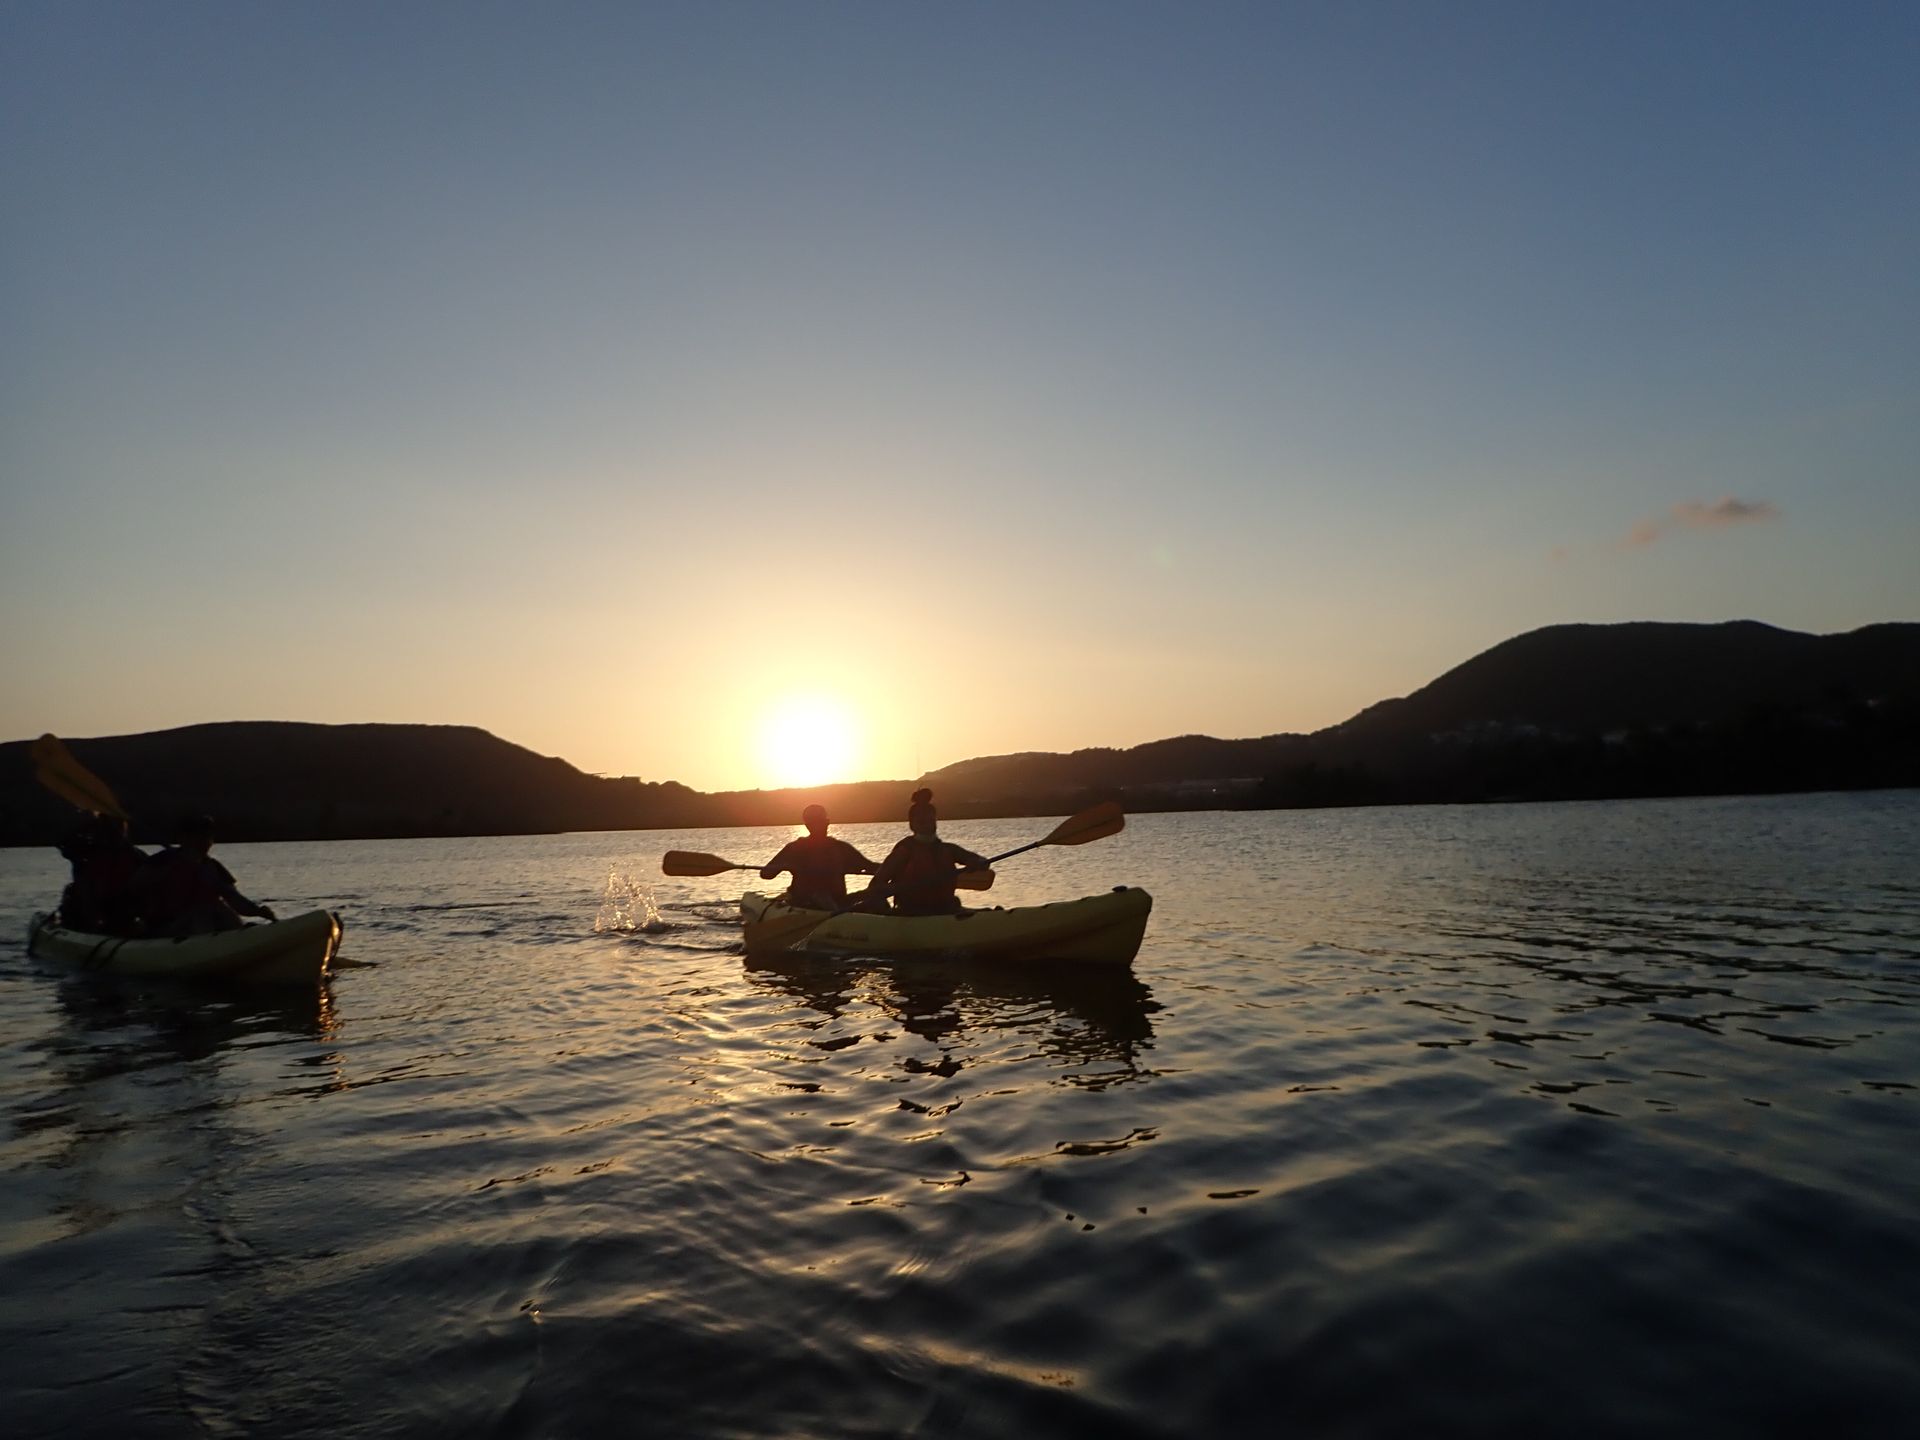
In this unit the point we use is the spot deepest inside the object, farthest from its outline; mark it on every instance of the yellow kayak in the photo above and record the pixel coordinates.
(1099, 930)
(299, 949)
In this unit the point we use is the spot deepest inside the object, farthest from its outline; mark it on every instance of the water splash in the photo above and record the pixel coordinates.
(627, 907)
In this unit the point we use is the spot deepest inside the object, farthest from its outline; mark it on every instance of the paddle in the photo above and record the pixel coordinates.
(55, 768)
(693, 862)
(1096, 822)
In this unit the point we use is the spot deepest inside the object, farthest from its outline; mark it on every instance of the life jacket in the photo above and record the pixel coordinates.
(924, 881)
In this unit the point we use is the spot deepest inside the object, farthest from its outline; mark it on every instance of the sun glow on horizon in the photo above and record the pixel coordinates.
(807, 740)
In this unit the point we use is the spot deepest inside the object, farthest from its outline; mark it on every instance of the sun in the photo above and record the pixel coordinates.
(807, 740)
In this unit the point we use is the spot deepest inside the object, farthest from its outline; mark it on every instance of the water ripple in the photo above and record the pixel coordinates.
(1582, 1120)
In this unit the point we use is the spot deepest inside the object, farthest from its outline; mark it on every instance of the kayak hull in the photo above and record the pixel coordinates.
(1099, 930)
(297, 950)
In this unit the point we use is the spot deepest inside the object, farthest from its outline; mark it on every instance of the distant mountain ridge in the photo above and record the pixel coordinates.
(1567, 681)
(289, 779)
(1184, 758)
(1594, 678)
(1565, 711)
(295, 780)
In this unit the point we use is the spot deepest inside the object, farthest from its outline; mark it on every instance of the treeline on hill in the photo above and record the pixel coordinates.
(1566, 712)
(1768, 750)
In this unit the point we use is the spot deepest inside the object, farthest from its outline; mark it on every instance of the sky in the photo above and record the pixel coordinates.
(741, 393)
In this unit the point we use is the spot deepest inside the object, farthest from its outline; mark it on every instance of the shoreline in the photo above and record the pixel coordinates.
(1037, 810)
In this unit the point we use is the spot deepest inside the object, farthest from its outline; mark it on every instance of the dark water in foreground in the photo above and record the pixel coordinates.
(1563, 1120)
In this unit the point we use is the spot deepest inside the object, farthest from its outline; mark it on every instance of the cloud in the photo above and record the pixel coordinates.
(1724, 511)
(1701, 515)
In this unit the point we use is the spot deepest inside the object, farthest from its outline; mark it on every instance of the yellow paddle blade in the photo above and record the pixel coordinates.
(55, 768)
(692, 862)
(973, 880)
(1096, 822)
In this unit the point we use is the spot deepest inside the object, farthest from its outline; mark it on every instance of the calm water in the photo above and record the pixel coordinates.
(1561, 1120)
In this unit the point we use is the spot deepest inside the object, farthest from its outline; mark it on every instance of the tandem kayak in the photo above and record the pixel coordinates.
(1099, 930)
(299, 949)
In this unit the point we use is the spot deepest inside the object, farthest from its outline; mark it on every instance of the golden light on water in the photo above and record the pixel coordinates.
(808, 740)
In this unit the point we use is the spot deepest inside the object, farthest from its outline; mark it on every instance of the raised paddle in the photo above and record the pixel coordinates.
(1096, 822)
(55, 768)
(693, 862)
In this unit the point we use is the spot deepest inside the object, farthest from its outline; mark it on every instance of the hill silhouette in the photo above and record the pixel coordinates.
(1566, 711)
(287, 780)
(1644, 708)
(1589, 679)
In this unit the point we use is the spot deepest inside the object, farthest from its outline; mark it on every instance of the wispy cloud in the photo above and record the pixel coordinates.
(1702, 515)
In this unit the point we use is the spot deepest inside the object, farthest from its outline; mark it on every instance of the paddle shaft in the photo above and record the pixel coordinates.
(1017, 850)
(685, 864)
(1096, 822)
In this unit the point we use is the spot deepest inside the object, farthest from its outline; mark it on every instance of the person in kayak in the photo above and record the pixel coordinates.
(918, 873)
(101, 899)
(185, 891)
(819, 865)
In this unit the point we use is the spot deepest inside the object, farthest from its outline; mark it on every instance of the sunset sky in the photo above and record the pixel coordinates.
(955, 379)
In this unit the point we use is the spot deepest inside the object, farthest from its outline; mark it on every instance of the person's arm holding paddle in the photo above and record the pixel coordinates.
(234, 900)
(964, 857)
(884, 879)
(819, 864)
(780, 863)
(847, 857)
(920, 871)
(853, 862)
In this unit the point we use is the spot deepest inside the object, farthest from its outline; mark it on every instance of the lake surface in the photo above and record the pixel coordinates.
(1592, 1119)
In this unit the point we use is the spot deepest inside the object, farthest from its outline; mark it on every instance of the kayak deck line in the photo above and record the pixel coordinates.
(1096, 930)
